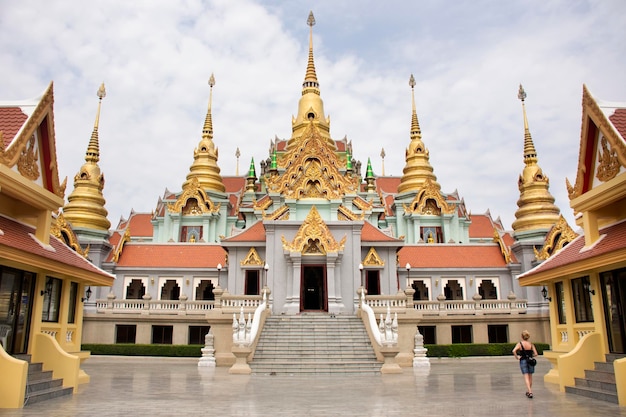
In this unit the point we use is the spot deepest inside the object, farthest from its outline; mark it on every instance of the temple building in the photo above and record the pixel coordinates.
(311, 229)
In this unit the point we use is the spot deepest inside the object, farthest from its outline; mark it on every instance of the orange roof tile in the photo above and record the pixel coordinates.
(451, 256)
(370, 233)
(171, 255)
(233, 184)
(11, 121)
(619, 121)
(20, 237)
(481, 226)
(388, 184)
(140, 224)
(612, 239)
(254, 233)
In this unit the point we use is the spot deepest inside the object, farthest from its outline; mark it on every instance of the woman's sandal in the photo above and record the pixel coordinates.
(529, 394)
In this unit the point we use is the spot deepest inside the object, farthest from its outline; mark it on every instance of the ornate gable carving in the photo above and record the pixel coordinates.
(185, 203)
(344, 213)
(506, 253)
(560, 235)
(313, 237)
(608, 165)
(63, 231)
(312, 171)
(428, 201)
(252, 259)
(27, 162)
(120, 245)
(281, 213)
(372, 258)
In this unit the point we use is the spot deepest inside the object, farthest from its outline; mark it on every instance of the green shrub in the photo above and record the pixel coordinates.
(124, 349)
(459, 350)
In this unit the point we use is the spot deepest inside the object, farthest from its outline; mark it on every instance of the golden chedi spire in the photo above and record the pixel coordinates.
(85, 207)
(417, 171)
(536, 205)
(204, 166)
(310, 106)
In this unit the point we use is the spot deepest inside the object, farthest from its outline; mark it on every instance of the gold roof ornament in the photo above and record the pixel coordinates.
(117, 252)
(63, 231)
(372, 258)
(417, 169)
(429, 201)
(313, 171)
(85, 207)
(560, 235)
(310, 106)
(504, 249)
(205, 156)
(193, 200)
(313, 237)
(252, 259)
(537, 210)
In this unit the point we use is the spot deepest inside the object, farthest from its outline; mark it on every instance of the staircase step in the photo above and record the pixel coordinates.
(593, 393)
(40, 385)
(602, 376)
(599, 385)
(46, 394)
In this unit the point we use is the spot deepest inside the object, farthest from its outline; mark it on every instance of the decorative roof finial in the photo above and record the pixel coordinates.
(208, 121)
(415, 125)
(310, 79)
(530, 154)
(93, 149)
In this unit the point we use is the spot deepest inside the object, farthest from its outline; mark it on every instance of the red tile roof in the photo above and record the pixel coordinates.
(619, 121)
(171, 255)
(140, 225)
(576, 257)
(388, 185)
(55, 257)
(11, 121)
(254, 233)
(233, 184)
(370, 233)
(452, 256)
(481, 226)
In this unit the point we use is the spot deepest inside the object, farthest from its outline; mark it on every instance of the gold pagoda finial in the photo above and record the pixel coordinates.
(237, 155)
(204, 167)
(536, 209)
(415, 125)
(85, 207)
(530, 154)
(417, 171)
(382, 156)
(310, 79)
(208, 121)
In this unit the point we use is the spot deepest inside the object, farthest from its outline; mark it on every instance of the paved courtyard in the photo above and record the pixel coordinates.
(177, 387)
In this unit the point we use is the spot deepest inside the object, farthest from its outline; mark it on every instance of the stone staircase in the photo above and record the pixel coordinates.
(599, 383)
(314, 344)
(40, 385)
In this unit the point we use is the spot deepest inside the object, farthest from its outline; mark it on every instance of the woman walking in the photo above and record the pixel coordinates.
(523, 351)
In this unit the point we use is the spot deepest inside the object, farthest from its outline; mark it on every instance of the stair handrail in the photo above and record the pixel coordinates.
(245, 331)
(385, 333)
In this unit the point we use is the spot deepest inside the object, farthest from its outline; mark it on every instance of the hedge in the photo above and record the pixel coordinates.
(129, 349)
(456, 350)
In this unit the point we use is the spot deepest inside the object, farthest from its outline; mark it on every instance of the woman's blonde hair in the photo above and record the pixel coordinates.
(525, 335)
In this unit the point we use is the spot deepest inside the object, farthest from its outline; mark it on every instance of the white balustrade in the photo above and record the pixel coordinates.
(386, 332)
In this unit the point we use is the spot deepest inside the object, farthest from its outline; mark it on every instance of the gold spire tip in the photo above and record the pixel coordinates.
(311, 20)
(102, 92)
(521, 93)
(412, 81)
(211, 80)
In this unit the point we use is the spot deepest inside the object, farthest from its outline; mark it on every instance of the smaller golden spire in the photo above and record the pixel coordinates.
(530, 154)
(415, 125)
(310, 79)
(93, 149)
(207, 130)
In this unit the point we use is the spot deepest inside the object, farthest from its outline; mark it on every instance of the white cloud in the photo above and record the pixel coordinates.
(155, 58)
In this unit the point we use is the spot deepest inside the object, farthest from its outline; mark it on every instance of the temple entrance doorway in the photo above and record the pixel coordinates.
(313, 284)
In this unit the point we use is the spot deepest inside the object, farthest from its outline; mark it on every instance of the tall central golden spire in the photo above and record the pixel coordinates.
(204, 166)
(85, 207)
(417, 171)
(310, 106)
(536, 211)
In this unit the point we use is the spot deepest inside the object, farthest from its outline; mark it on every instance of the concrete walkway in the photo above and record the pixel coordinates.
(177, 387)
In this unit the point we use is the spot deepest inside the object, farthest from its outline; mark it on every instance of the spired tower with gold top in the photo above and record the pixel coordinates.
(85, 210)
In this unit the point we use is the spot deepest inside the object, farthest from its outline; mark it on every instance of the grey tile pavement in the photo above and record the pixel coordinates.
(143, 386)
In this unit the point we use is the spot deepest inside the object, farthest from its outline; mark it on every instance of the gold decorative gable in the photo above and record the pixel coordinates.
(63, 231)
(193, 201)
(252, 259)
(120, 245)
(27, 163)
(362, 204)
(263, 204)
(506, 253)
(428, 201)
(560, 235)
(608, 165)
(312, 171)
(372, 258)
(344, 213)
(615, 147)
(314, 237)
(279, 214)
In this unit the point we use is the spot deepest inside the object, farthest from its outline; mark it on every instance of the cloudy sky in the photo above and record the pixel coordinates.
(468, 58)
